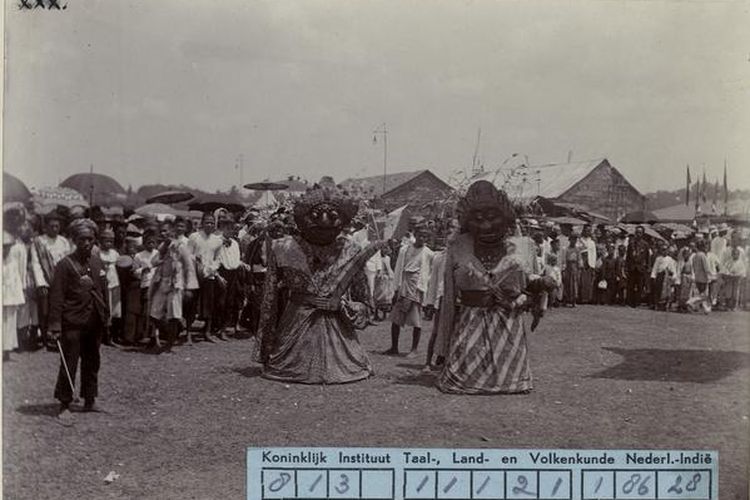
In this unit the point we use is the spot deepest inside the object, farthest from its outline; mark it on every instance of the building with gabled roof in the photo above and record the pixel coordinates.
(592, 184)
(416, 189)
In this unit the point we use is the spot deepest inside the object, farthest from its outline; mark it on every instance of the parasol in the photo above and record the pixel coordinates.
(266, 186)
(214, 201)
(651, 232)
(156, 209)
(14, 189)
(47, 199)
(171, 197)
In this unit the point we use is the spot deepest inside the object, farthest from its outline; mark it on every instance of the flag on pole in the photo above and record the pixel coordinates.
(687, 188)
(703, 188)
(697, 195)
(715, 202)
(396, 224)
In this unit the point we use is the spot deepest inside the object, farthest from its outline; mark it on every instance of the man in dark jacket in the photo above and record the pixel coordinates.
(638, 265)
(78, 313)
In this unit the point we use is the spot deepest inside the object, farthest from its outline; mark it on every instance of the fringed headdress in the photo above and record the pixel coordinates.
(334, 196)
(484, 194)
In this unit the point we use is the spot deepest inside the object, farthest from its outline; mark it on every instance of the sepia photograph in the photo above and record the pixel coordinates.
(376, 249)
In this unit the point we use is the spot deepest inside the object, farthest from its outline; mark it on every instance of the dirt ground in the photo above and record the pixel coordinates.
(177, 425)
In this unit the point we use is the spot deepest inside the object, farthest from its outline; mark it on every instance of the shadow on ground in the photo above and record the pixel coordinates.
(668, 365)
(249, 371)
(40, 410)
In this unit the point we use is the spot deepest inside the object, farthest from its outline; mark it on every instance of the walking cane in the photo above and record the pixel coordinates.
(67, 371)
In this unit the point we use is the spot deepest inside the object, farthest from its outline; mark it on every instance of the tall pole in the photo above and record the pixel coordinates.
(242, 170)
(385, 155)
(383, 130)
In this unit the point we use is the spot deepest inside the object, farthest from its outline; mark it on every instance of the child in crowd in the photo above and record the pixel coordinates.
(109, 256)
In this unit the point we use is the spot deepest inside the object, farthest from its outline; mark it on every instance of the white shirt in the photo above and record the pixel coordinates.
(726, 259)
(204, 248)
(664, 263)
(14, 276)
(228, 257)
(590, 247)
(109, 259)
(143, 266)
(718, 245)
(737, 268)
(714, 265)
(58, 248)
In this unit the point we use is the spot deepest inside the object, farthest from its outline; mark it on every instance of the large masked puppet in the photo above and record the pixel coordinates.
(486, 293)
(313, 340)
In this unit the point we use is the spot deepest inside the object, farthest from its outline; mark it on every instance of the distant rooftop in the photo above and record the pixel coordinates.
(374, 184)
(549, 180)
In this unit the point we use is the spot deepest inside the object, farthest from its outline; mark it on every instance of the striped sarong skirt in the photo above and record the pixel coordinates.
(487, 353)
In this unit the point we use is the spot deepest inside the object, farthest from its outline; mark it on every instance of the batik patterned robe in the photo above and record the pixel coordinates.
(314, 341)
(486, 346)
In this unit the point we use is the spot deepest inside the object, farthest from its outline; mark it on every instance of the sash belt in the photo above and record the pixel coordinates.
(322, 303)
(481, 298)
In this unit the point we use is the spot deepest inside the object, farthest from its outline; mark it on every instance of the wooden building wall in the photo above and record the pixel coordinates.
(423, 189)
(604, 190)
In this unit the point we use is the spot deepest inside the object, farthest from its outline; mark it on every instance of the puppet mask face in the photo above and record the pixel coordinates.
(321, 224)
(486, 225)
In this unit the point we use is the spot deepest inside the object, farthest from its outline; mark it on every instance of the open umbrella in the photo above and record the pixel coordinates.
(14, 189)
(266, 186)
(84, 183)
(154, 209)
(214, 201)
(47, 199)
(171, 197)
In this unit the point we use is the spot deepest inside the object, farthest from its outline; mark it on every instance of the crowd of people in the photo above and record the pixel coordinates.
(701, 271)
(302, 279)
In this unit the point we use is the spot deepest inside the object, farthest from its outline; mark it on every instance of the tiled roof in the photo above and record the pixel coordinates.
(374, 184)
(549, 181)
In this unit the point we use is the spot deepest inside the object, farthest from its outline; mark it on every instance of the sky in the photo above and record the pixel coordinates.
(172, 92)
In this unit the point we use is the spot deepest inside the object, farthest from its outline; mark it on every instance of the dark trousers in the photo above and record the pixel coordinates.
(253, 285)
(636, 283)
(42, 304)
(228, 299)
(207, 298)
(80, 342)
(617, 291)
(190, 307)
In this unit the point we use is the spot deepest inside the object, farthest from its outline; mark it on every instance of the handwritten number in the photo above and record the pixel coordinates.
(523, 483)
(675, 488)
(635, 480)
(693, 484)
(599, 484)
(343, 486)
(422, 484)
(483, 485)
(630, 484)
(450, 484)
(280, 482)
(558, 483)
(643, 489)
(315, 483)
